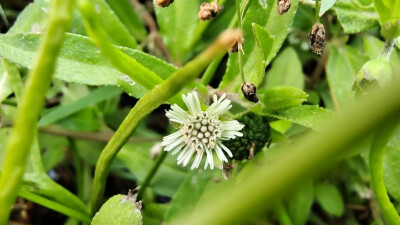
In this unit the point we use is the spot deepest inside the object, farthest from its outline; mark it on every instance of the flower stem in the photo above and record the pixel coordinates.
(240, 53)
(151, 101)
(317, 8)
(387, 49)
(376, 155)
(40, 76)
(152, 172)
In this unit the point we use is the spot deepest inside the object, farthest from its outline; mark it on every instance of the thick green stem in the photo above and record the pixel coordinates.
(152, 172)
(22, 136)
(376, 155)
(151, 101)
(264, 183)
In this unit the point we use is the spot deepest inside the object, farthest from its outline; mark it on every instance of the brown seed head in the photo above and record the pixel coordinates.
(283, 6)
(317, 38)
(209, 10)
(163, 3)
(250, 91)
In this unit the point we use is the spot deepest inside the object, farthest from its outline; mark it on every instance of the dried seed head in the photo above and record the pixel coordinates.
(317, 38)
(283, 6)
(209, 10)
(163, 3)
(249, 91)
(238, 45)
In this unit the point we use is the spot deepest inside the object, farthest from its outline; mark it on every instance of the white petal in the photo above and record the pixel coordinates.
(174, 144)
(179, 110)
(210, 159)
(225, 149)
(220, 154)
(197, 160)
(188, 156)
(171, 138)
(177, 149)
(180, 156)
(192, 102)
(176, 117)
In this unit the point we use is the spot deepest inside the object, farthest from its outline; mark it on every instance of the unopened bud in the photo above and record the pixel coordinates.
(374, 73)
(283, 6)
(250, 91)
(391, 29)
(209, 10)
(317, 38)
(163, 3)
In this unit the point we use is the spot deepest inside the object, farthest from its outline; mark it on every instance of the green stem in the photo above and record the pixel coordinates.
(282, 214)
(151, 101)
(153, 171)
(376, 155)
(261, 185)
(54, 206)
(317, 8)
(22, 135)
(387, 49)
(9, 102)
(240, 53)
(78, 168)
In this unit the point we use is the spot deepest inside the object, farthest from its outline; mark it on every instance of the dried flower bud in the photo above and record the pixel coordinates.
(163, 3)
(238, 45)
(249, 91)
(283, 6)
(209, 10)
(317, 38)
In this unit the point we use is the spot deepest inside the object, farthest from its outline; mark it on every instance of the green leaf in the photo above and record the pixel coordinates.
(54, 149)
(311, 116)
(356, 17)
(283, 75)
(300, 202)
(325, 6)
(391, 165)
(387, 9)
(343, 65)
(281, 97)
(32, 19)
(269, 19)
(264, 41)
(117, 32)
(193, 187)
(137, 158)
(129, 17)
(79, 60)
(5, 86)
(177, 24)
(330, 199)
(93, 98)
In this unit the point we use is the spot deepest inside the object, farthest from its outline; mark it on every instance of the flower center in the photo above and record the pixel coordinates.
(201, 131)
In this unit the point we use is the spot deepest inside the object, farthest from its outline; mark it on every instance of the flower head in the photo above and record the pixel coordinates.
(201, 131)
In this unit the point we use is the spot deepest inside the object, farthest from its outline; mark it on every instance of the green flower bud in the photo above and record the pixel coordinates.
(374, 73)
(119, 210)
(256, 134)
(391, 28)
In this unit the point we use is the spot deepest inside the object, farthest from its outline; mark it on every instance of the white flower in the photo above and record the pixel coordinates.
(201, 131)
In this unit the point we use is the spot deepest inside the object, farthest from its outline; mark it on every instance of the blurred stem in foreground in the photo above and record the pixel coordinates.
(376, 155)
(21, 139)
(261, 185)
(151, 101)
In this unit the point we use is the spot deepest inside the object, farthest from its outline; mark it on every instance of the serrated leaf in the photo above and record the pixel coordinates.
(343, 65)
(330, 199)
(311, 116)
(355, 17)
(387, 9)
(391, 165)
(325, 6)
(177, 23)
(264, 41)
(79, 60)
(283, 75)
(278, 27)
(281, 97)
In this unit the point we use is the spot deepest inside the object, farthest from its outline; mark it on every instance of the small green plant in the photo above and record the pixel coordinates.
(292, 106)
